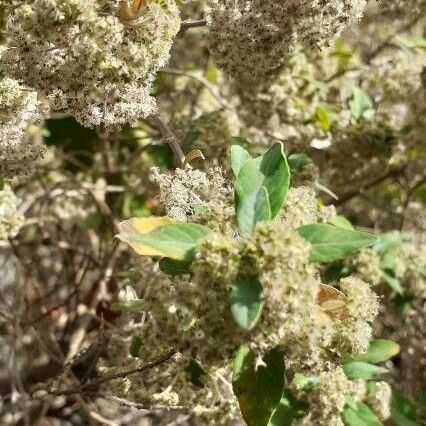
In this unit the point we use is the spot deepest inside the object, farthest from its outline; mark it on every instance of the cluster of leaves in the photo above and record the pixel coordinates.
(261, 187)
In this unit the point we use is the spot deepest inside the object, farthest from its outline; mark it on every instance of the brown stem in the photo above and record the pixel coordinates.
(156, 122)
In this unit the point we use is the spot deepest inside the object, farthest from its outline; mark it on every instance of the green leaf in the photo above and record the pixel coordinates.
(387, 247)
(258, 390)
(1, 183)
(412, 42)
(330, 243)
(361, 105)
(261, 187)
(322, 117)
(305, 383)
(298, 161)
(380, 350)
(246, 304)
(132, 306)
(135, 346)
(177, 241)
(195, 373)
(238, 158)
(174, 267)
(358, 414)
(403, 411)
(287, 410)
(362, 370)
(392, 282)
(341, 222)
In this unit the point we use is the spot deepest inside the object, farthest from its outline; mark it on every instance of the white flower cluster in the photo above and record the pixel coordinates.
(19, 147)
(250, 37)
(94, 58)
(11, 219)
(191, 311)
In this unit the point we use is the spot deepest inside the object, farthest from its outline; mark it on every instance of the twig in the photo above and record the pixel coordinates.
(121, 374)
(193, 24)
(169, 136)
(353, 192)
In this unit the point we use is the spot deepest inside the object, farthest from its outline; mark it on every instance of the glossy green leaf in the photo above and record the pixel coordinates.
(362, 370)
(359, 414)
(258, 390)
(174, 267)
(403, 411)
(380, 350)
(246, 303)
(176, 241)
(361, 105)
(261, 187)
(238, 157)
(330, 243)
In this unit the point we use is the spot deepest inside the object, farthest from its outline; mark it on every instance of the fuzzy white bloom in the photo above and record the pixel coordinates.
(93, 58)
(11, 219)
(254, 36)
(19, 146)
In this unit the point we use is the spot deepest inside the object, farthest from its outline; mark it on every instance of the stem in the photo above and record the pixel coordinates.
(169, 136)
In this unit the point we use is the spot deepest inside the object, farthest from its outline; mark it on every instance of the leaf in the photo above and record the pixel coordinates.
(135, 346)
(330, 243)
(380, 350)
(131, 306)
(332, 302)
(258, 390)
(387, 247)
(287, 410)
(341, 222)
(174, 267)
(195, 373)
(362, 370)
(138, 226)
(246, 304)
(361, 105)
(403, 411)
(358, 414)
(392, 281)
(162, 237)
(298, 161)
(412, 42)
(322, 117)
(238, 157)
(305, 383)
(261, 187)
(1, 183)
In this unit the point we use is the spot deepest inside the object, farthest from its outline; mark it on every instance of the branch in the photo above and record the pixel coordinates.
(353, 192)
(121, 374)
(156, 121)
(193, 24)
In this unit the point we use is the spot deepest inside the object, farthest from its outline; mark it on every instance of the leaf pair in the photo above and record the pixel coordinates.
(261, 185)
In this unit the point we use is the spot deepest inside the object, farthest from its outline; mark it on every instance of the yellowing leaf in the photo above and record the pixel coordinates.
(141, 225)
